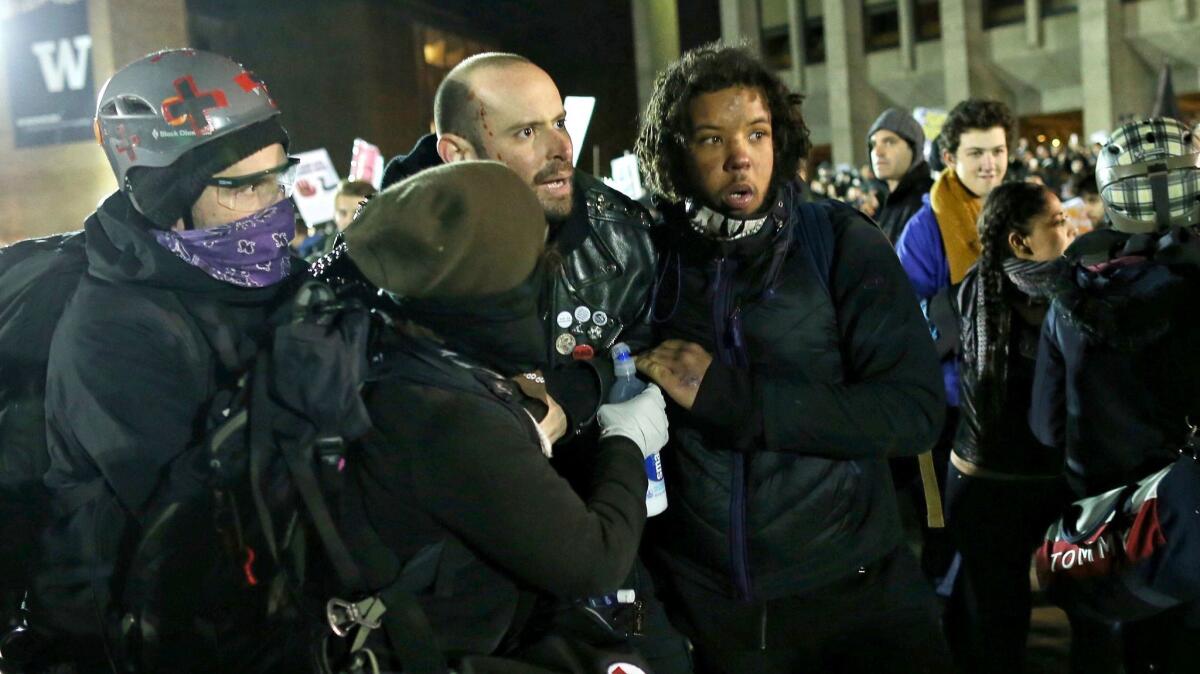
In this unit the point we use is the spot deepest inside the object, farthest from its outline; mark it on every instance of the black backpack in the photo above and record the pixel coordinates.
(37, 279)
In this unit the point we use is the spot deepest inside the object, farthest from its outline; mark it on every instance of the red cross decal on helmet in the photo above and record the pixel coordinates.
(191, 105)
(130, 142)
(249, 82)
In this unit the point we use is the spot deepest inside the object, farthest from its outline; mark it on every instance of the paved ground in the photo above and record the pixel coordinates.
(1049, 640)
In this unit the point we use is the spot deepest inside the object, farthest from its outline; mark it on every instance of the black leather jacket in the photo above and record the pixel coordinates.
(1003, 446)
(601, 293)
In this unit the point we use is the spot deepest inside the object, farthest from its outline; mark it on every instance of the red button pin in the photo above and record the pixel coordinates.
(583, 352)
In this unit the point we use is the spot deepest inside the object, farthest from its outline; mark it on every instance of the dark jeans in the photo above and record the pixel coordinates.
(882, 619)
(995, 525)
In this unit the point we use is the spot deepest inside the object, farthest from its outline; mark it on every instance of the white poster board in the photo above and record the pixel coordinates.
(626, 178)
(579, 116)
(316, 183)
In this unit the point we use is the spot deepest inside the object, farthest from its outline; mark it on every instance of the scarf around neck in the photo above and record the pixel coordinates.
(1034, 280)
(957, 212)
(708, 222)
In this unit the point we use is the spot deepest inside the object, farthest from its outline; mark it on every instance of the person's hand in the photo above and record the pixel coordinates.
(554, 424)
(642, 418)
(678, 367)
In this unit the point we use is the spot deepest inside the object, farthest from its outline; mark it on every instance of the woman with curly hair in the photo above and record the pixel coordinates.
(798, 362)
(1004, 487)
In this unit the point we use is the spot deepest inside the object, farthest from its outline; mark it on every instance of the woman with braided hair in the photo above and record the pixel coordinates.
(1003, 486)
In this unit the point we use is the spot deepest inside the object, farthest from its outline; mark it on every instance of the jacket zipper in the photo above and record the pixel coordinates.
(739, 550)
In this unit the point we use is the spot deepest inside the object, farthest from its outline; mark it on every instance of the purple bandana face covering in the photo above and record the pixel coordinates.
(251, 252)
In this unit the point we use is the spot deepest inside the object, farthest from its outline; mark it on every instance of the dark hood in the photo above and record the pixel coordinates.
(423, 155)
(121, 249)
(918, 180)
(1128, 291)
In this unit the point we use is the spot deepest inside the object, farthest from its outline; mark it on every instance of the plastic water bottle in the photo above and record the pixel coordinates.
(626, 387)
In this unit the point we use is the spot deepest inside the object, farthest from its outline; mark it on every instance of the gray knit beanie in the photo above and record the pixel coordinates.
(902, 124)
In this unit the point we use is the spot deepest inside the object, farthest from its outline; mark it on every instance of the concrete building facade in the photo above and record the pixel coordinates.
(1079, 65)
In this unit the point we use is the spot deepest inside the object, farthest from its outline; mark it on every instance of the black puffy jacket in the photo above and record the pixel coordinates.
(1004, 445)
(1118, 371)
(777, 481)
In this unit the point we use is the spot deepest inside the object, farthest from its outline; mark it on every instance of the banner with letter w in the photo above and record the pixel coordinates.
(48, 54)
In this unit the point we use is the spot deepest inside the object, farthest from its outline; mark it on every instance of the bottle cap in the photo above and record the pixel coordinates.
(624, 364)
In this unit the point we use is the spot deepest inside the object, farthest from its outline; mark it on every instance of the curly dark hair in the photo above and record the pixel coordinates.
(666, 125)
(1011, 207)
(976, 113)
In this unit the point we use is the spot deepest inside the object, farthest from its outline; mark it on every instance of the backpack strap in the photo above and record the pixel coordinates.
(814, 233)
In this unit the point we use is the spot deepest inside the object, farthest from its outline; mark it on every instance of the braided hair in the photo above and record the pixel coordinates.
(1011, 207)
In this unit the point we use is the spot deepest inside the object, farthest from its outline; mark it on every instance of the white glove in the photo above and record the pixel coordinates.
(642, 418)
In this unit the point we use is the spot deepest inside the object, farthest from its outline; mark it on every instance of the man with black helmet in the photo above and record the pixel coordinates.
(1118, 375)
(185, 263)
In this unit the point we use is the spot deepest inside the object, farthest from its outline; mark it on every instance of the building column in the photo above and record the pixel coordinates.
(655, 42)
(1033, 23)
(52, 188)
(797, 42)
(963, 50)
(1116, 83)
(741, 21)
(853, 104)
(907, 10)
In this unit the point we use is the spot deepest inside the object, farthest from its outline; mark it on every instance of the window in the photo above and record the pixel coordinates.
(777, 48)
(437, 52)
(929, 20)
(882, 25)
(1056, 7)
(814, 41)
(1002, 12)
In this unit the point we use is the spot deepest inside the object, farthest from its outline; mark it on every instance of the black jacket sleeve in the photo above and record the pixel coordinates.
(478, 474)
(891, 402)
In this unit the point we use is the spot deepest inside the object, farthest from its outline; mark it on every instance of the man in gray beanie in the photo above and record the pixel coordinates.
(897, 146)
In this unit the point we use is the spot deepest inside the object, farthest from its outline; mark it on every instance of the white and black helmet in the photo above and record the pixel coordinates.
(1148, 174)
(165, 105)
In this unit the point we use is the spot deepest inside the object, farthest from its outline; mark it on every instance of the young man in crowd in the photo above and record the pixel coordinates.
(349, 196)
(897, 146)
(798, 363)
(937, 247)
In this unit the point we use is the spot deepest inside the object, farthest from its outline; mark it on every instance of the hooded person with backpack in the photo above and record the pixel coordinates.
(452, 494)
(1117, 380)
(185, 265)
(798, 363)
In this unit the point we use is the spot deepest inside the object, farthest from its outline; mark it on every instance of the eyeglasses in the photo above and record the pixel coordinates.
(256, 191)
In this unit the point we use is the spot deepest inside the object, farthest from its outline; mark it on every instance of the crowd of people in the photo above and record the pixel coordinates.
(411, 455)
